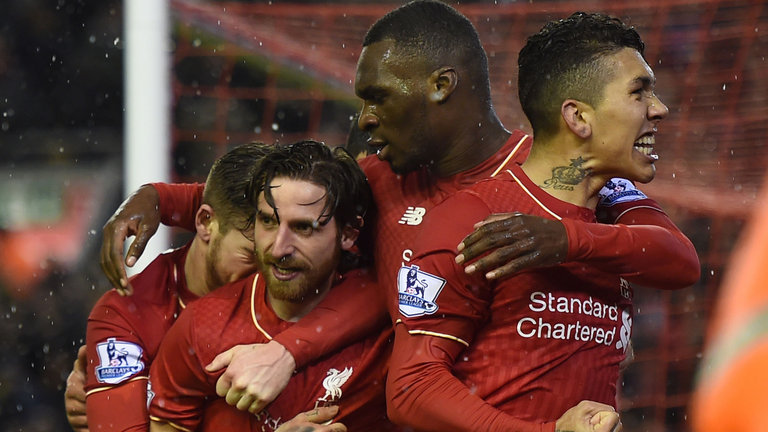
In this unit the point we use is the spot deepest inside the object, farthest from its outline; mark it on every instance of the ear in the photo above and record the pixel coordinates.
(204, 220)
(578, 117)
(442, 83)
(349, 235)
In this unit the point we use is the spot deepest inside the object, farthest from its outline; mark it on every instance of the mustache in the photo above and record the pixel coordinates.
(285, 261)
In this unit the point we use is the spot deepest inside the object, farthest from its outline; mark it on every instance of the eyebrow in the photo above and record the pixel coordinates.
(645, 80)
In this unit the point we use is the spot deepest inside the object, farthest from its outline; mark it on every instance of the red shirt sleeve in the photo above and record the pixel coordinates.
(423, 393)
(122, 408)
(116, 370)
(179, 203)
(340, 311)
(178, 383)
(644, 247)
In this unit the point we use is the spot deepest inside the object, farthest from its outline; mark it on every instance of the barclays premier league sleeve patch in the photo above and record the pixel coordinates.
(619, 190)
(418, 291)
(118, 361)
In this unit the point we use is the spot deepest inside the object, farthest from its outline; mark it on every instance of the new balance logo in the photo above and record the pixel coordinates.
(413, 216)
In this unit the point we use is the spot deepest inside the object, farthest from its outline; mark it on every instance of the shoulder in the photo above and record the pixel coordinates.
(377, 171)
(214, 311)
(359, 276)
(446, 224)
(619, 196)
(155, 284)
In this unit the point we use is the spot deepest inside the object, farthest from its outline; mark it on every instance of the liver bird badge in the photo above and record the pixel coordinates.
(332, 383)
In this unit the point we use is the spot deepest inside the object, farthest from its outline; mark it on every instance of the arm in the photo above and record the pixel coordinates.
(74, 395)
(650, 250)
(122, 408)
(422, 393)
(140, 215)
(645, 247)
(116, 400)
(256, 374)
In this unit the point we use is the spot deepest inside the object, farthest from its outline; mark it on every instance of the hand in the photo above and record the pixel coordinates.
(74, 395)
(520, 242)
(139, 216)
(310, 421)
(589, 416)
(255, 375)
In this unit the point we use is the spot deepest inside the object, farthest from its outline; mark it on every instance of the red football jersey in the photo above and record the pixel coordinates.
(123, 336)
(402, 202)
(184, 394)
(532, 345)
(643, 253)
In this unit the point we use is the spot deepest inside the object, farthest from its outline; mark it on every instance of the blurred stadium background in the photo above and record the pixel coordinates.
(279, 70)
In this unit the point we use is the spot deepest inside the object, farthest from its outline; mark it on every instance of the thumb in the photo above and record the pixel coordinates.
(221, 361)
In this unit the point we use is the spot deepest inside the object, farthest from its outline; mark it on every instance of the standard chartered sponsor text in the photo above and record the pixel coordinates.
(538, 327)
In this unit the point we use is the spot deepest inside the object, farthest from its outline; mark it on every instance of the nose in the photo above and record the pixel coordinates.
(367, 120)
(657, 110)
(284, 242)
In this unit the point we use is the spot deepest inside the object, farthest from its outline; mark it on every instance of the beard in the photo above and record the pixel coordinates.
(212, 259)
(309, 281)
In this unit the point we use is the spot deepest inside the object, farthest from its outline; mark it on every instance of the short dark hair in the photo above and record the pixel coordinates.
(348, 196)
(226, 189)
(563, 61)
(439, 34)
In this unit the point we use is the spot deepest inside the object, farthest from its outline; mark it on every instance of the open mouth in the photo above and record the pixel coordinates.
(284, 273)
(645, 144)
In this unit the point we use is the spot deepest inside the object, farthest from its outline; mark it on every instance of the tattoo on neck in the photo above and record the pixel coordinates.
(566, 177)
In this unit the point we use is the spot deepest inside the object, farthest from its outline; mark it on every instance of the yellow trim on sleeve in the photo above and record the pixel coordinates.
(435, 334)
(171, 424)
(101, 389)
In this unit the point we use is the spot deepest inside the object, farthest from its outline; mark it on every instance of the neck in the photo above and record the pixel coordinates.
(474, 142)
(559, 168)
(195, 269)
(293, 311)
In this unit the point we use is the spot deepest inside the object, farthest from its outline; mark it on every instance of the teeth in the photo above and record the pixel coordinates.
(645, 144)
(646, 140)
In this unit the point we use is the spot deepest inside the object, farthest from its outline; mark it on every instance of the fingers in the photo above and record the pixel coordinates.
(313, 421)
(114, 235)
(221, 361)
(223, 385)
(74, 394)
(244, 402)
(139, 243)
(491, 234)
(80, 361)
(606, 421)
(319, 414)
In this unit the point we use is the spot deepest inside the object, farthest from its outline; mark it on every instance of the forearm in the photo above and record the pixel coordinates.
(423, 394)
(178, 203)
(650, 253)
(338, 320)
(122, 408)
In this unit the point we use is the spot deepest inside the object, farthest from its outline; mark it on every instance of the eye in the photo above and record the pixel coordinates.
(304, 229)
(265, 219)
